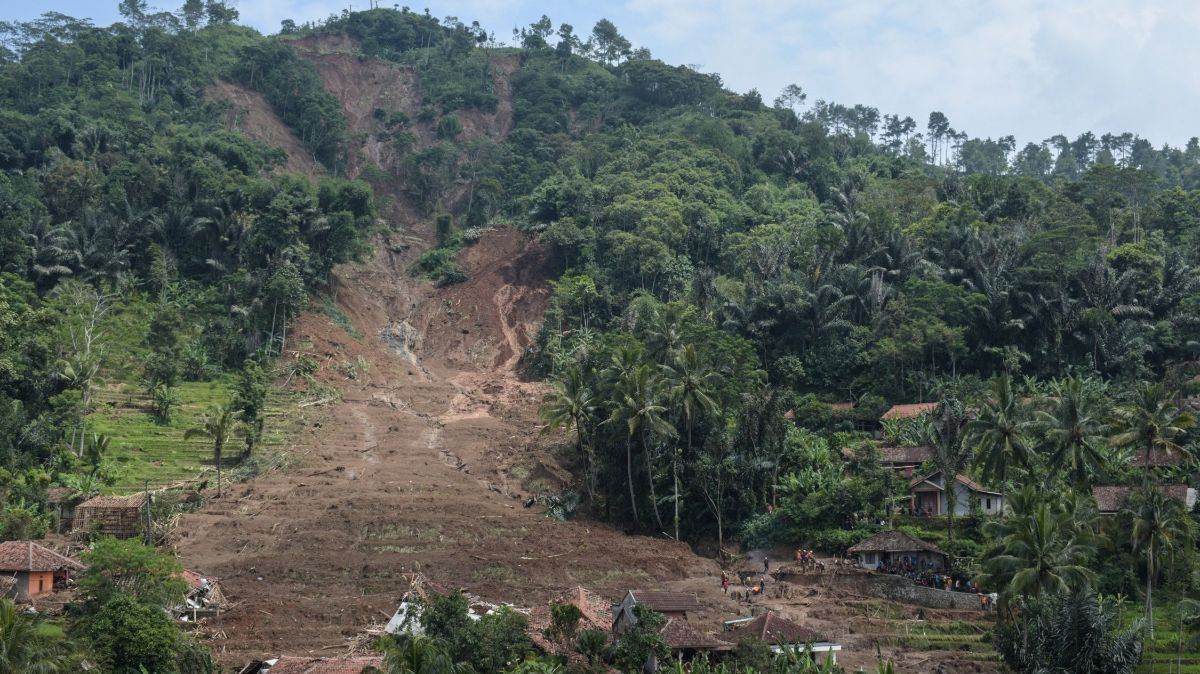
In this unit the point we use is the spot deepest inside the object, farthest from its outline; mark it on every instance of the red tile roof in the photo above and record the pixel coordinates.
(59, 494)
(680, 636)
(893, 541)
(668, 602)
(131, 501)
(909, 410)
(842, 406)
(903, 454)
(29, 556)
(1110, 499)
(597, 615)
(775, 629)
(288, 664)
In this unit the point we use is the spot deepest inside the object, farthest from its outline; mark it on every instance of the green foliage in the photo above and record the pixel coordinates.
(129, 569)
(1078, 632)
(641, 642)
(127, 636)
(493, 643)
(28, 643)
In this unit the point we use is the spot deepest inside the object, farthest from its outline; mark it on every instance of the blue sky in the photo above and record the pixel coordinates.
(1031, 68)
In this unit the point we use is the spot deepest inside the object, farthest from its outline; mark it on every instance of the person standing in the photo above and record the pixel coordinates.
(766, 564)
(725, 582)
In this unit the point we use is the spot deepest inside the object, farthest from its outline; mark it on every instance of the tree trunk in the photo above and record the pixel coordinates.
(217, 455)
(1149, 589)
(650, 480)
(587, 458)
(629, 477)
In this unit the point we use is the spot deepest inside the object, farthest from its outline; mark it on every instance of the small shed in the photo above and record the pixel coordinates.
(61, 502)
(117, 516)
(35, 569)
(888, 548)
(780, 633)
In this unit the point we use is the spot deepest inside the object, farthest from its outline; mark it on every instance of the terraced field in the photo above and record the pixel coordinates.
(144, 450)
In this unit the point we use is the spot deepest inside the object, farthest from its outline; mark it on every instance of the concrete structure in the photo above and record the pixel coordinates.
(892, 588)
(780, 633)
(897, 547)
(929, 496)
(117, 516)
(34, 568)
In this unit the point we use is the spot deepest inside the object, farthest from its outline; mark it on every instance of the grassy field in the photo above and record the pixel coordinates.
(1163, 653)
(144, 450)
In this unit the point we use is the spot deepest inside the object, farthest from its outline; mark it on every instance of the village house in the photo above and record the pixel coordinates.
(1158, 459)
(929, 496)
(1111, 499)
(888, 548)
(34, 568)
(684, 641)
(116, 516)
(595, 613)
(780, 633)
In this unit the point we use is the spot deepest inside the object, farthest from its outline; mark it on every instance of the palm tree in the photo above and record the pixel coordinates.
(1160, 526)
(219, 424)
(30, 645)
(943, 430)
(1041, 549)
(419, 655)
(1073, 431)
(573, 404)
(639, 405)
(1151, 422)
(999, 434)
(691, 387)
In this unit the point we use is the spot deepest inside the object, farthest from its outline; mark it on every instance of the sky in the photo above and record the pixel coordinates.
(1030, 68)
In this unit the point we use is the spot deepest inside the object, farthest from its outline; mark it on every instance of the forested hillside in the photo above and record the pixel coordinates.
(726, 268)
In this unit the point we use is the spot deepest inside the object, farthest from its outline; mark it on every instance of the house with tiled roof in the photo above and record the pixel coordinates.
(34, 568)
(1158, 459)
(904, 460)
(116, 516)
(595, 613)
(684, 640)
(289, 664)
(897, 547)
(780, 633)
(1111, 499)
(929, 495)
(908, 411)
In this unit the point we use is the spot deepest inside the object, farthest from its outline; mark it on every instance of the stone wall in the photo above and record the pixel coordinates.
(887, 586)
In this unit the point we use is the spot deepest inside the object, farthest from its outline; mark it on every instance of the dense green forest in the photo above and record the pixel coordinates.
(721, 260)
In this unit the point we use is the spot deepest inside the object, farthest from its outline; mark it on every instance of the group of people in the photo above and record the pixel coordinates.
(756, 587)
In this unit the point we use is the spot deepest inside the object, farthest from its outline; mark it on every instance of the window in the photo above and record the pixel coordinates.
(41, 584)
(989, 504)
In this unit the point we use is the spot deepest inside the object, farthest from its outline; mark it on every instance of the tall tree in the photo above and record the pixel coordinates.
(691, 387)
(573, 404)
(1151, 422)
(1073, 431)
(639, 405)
(219, 425)
(1161, 527)
(1000, 432)
(944, 433)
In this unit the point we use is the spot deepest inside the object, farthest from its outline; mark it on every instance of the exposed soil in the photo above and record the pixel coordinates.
(250, 114)
(426, 463)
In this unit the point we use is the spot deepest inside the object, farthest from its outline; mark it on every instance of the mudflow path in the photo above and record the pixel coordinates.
(423, 466)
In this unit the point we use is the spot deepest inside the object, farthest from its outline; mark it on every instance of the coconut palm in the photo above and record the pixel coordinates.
(30, 645)
(419, 655)
(573, 404)
(1073, 431)
(1151, 422)
(691, 386)
(1161, 526)
(219, 424)
(1043, 548)
(944, 434)
(1000, 433)
(639, 406)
